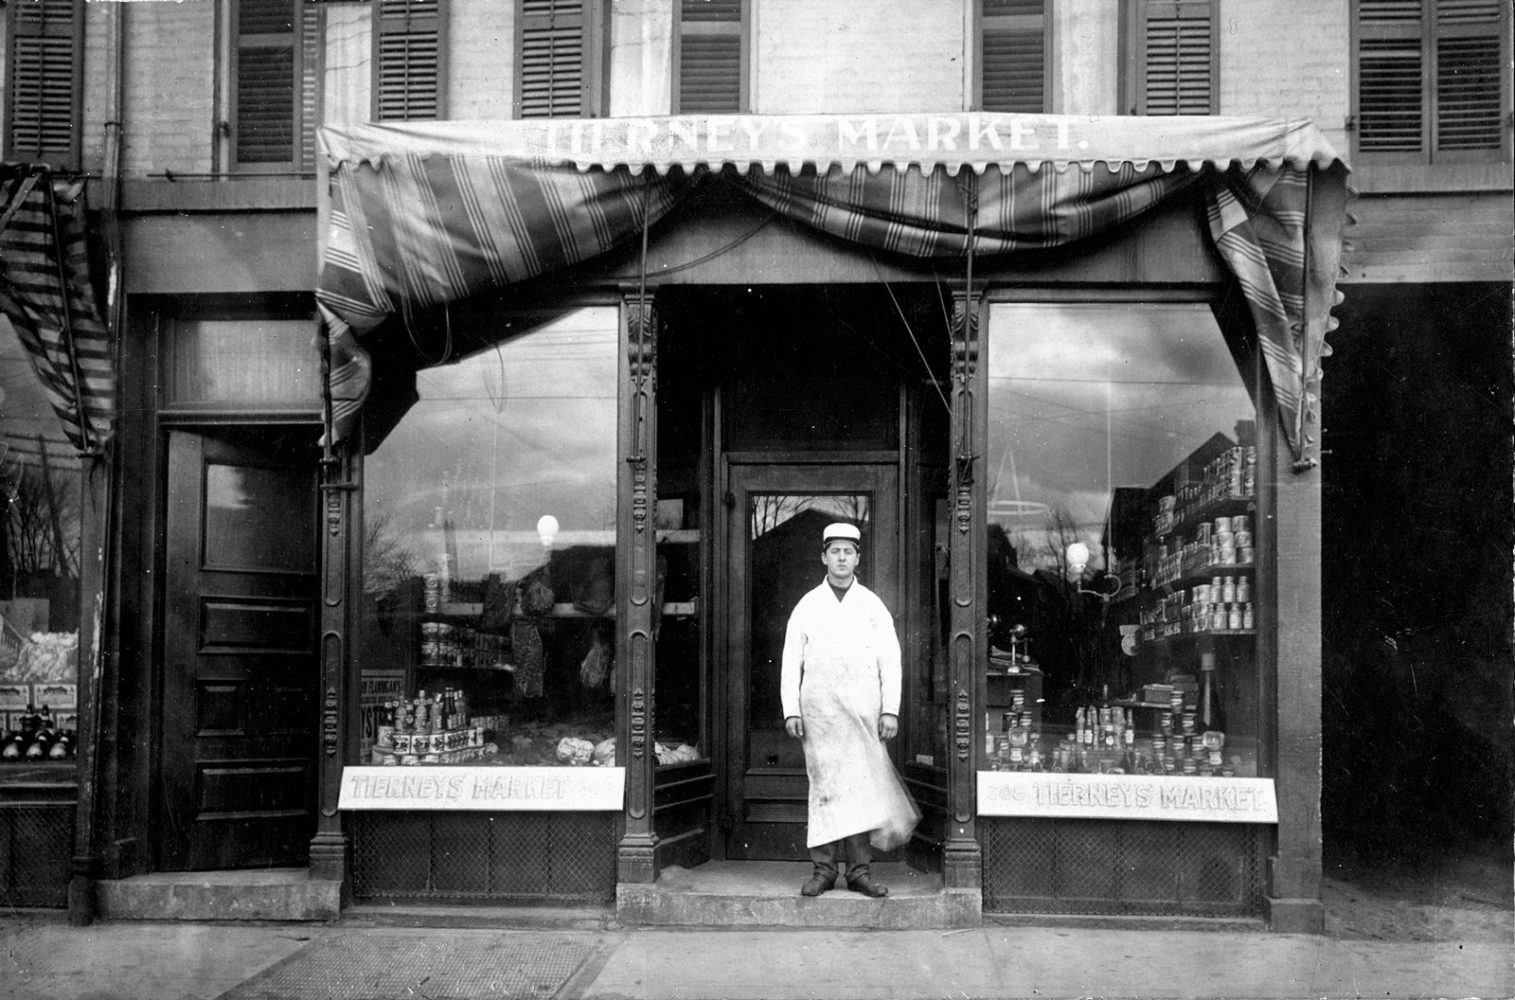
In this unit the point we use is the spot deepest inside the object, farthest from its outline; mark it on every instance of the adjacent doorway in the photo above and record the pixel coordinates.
(775, 516)
(237, 772)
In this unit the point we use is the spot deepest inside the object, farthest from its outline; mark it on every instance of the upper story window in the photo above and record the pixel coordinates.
(409, 59)
(276, 63)
(1171, 55)
(712, 57)
(1012, 56)
(561, 55)
(42, 82)
(1432, 80)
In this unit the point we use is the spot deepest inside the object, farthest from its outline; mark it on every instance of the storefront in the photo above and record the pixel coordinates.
(594, 385)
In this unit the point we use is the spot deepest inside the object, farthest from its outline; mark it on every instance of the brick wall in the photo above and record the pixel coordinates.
(1288, 59)
(482, 49)
(347, 92)
(170, 87)
(854, 56)
(641, 58)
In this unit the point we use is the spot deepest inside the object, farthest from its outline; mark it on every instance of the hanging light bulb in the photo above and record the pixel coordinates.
(547, 530)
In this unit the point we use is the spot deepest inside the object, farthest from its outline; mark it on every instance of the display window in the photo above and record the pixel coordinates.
(1123, 589)
(488, 584)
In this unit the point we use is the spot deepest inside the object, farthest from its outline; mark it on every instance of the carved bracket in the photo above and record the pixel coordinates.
(964, 335)
(962, 725)
(639, 713)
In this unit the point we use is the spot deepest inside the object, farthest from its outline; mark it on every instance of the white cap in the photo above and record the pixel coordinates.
(841, 529)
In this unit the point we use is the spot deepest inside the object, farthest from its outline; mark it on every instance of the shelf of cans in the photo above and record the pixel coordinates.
(1105, 740)
(1222, 544)
(1222, 606)
(445, 644)
(1230, 477)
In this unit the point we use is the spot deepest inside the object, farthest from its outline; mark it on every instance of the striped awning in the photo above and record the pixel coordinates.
(46, 294)
(425, 213)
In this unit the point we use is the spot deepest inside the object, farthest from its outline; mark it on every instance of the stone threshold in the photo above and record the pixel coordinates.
(273, 894)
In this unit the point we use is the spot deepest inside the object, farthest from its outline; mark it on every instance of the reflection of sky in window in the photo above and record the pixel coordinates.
(1086, 398)
(501, 438)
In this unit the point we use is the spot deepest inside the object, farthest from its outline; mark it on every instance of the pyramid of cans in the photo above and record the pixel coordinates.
(433, 729)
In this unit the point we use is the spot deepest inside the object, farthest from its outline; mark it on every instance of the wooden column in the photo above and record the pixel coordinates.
(96, 494)
(1294, 870)
(962, 860)
(328, 849)
(636, 573)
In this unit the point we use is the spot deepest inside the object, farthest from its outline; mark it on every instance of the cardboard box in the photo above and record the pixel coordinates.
(55, 695)
(14, 696)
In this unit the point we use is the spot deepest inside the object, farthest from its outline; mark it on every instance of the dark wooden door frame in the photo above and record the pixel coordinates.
(881, 481)
(225, 625)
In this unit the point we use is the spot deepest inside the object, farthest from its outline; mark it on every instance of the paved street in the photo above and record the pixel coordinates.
(46, 959)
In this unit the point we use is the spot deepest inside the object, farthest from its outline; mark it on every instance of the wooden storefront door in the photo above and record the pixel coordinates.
(774, 527)
(238, 753)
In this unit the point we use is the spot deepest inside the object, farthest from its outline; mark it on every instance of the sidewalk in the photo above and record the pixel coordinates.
(46, 959)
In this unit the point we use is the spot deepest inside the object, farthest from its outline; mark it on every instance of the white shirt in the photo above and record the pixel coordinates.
(858, 629)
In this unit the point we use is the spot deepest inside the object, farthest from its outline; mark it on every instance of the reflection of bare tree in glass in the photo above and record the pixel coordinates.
(387, 561)
(41, 526)
(769, 510)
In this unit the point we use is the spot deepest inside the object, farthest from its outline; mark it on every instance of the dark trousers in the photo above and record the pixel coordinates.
(857, 849)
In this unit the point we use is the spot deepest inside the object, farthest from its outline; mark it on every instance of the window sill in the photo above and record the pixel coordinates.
(219, 195)
(1424, 178)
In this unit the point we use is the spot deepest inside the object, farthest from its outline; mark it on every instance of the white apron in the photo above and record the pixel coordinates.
(853, 785)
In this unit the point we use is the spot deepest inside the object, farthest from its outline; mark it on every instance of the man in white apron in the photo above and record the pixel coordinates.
(840, 688)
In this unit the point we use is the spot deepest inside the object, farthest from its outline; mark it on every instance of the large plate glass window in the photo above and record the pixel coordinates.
(489, 558)
(1122, 538)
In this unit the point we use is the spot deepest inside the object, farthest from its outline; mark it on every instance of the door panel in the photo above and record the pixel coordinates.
(774, 540)
(239, 651)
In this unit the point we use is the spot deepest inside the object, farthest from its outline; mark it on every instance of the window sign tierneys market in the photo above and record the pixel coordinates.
(502, 789)
(1127, 796)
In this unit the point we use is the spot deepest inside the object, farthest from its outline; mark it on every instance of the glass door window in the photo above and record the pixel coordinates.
(775, 534)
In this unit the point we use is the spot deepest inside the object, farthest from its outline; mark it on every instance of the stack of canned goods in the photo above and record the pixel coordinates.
(428, 730)
(447, 645)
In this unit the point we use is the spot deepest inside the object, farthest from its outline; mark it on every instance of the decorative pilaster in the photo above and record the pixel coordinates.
(636, 575)
(962, 860)
(328, 849)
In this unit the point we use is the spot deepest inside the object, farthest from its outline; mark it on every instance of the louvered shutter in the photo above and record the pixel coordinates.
(1013, 56)
(1431, 79)
(267, 105)
(1178, 58)
(409, 46)
(42, 91)
(710, 56)
(1470, 89)
(554, 39)
(310, 83)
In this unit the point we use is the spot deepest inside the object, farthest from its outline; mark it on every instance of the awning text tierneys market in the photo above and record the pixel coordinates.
(881, 137)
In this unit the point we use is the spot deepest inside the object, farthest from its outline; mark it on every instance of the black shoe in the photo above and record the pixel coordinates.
(865, 885)
(817, 884)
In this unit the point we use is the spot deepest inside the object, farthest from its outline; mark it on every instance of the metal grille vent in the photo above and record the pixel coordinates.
(499, 857)
(36, 845)
(1122, 868)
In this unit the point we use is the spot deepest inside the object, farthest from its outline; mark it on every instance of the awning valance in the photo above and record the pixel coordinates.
(47, 294)
(427, 213)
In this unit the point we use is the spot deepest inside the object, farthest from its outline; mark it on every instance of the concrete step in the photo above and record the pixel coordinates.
(767, 894)
(264, 894)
